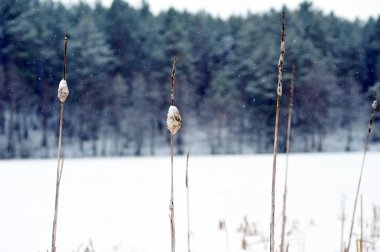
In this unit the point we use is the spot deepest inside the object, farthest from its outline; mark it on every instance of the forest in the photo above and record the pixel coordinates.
(118, 73)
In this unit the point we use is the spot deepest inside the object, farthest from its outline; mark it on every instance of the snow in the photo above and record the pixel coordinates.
(120, 204)
(63, 90)
(173, 121)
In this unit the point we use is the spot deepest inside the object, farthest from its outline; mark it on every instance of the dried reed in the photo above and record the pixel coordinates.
(173, 122)
(223, 226)
(62, 95)
(287, 161)
(361, 224)
(374, 105)
(188, 203)
(279, 93)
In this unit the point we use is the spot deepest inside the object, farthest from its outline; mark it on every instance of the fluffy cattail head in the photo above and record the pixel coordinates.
(173, 121)
(63, 91)
(374, 104)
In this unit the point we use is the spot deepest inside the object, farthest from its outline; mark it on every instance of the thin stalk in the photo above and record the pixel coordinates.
(172, 226)
(175, 60)
(65, 59)
(287, 161)
(60, 162)
(188, 203)
(361, 224)
(58, 181)
(171, 206)
(342, 230)
(226, 231)
(374, 103)
(279, 93)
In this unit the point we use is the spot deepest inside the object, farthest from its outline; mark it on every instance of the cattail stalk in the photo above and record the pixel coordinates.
(287, 161)
(60, 162)
(279, 93)
(188, 203)
(361, 224)
(342, 229)
(374, 105)
(175, 60)
(173, 124)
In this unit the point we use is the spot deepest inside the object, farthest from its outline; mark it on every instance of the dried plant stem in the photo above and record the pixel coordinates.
(188, 203)
(60, 161)
(175, 60)
(171, 206)
(58, 181)
(342, 229)
(172, 226)
(65, 59)
(226, 231)
(287, 161)
(279, 93)
(361, 224)
(361, 172)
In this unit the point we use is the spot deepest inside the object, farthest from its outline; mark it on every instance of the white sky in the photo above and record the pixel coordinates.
(345, 8)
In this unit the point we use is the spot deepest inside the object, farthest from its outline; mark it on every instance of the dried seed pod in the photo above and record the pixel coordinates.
(63, 91)
(374, 104)
(173, 121)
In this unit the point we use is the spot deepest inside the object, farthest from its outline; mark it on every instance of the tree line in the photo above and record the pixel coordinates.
(118, 72)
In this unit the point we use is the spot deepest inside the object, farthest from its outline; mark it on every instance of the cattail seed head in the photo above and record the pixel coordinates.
(63, 91)
(173, 121)
(374, 104)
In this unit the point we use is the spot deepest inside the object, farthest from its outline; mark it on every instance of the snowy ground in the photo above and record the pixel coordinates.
(122, 204)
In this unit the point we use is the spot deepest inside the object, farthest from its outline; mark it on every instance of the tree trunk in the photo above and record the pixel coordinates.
(152, 137)
(241, 135)
(320, 142)
(45, 115)
(94, 142)
(349, 139)
(10, 138)
(180, 144)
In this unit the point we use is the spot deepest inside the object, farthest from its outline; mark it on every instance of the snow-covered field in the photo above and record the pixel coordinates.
(121, 204)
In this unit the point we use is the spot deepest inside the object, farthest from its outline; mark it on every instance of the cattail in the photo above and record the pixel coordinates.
(173, 122)
(188, 203)
(343, 219)
(374, 106)
(361, 224)
(279, 93)
(63, 92)
(287, 161)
